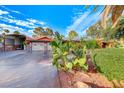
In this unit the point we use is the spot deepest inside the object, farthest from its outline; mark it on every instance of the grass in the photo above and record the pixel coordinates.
(110, 62)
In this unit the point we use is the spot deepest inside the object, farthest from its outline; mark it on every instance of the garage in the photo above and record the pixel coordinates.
(41, 44)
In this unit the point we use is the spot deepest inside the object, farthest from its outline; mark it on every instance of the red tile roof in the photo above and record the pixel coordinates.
(45, 39)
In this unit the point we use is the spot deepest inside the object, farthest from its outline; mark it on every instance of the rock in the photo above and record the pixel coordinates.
(79, 84)
(100, 81)
(122, 83)
(82, 77)
(65, 79)
(116, 83)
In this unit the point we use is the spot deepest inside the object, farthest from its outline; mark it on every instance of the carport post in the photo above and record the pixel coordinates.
(31, 47)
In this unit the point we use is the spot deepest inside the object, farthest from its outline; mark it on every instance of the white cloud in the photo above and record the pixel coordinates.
(16, 12)
(28, 23)
(3, 12)
(82, 21)
(25, 25)
(13, 28)
(77, 22)
(9, 16)
(36, 21)
(10, 10)
(30, 31)
(18, 22)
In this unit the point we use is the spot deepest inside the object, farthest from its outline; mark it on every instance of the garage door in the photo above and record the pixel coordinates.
(37, 46)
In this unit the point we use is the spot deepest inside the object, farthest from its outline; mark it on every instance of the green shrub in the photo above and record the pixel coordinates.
(110, 62)
(68, 55)
(91, 44)
(118, 45)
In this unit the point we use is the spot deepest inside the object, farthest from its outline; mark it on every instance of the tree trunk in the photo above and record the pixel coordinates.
(116, 13)
(105, 15)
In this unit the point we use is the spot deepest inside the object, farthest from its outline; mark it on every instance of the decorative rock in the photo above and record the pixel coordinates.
(82, 77)
(122, 83)
(85, 80)
(65, 79)
(80, 85)
(100, 81)
(116, 83)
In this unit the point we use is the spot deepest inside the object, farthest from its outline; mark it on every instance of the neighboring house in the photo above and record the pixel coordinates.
(13, 42)
(16, 42)
(40, 43)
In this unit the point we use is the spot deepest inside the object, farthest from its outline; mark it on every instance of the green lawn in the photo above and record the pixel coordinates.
(110, 62)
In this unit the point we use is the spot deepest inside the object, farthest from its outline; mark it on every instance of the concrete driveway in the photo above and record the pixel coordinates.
(27, 70)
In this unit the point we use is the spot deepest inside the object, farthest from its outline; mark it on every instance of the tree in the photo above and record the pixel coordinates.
(97, 31)
(115, 11)
(72, 34)
(49, 31)
(6, 31)
(120, 29)
(110, 11)
(16, 32)
(39, 32)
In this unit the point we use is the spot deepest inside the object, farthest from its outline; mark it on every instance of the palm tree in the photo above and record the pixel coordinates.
(16, 32)
(6, 31)
(110, 11)
(115, 11)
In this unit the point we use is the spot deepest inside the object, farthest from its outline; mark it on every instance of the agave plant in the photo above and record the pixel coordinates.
(68, 55)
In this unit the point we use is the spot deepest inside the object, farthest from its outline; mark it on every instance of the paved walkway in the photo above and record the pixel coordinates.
(27, 70)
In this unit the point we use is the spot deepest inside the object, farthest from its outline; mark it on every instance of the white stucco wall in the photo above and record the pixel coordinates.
(17, 41)
(40, 46)
(37, 46)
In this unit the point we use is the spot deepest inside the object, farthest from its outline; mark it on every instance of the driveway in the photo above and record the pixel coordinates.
(27, 70)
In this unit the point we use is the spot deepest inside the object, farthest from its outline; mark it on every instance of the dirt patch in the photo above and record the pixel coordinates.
(83, 80)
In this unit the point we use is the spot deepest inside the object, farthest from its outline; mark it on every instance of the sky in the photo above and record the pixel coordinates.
(61, 18)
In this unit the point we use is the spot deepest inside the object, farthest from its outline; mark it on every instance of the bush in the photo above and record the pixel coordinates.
(91, 44)
(118, 45)
(110, 62)
(68, 55)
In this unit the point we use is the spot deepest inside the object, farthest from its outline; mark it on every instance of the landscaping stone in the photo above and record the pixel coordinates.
(82, 76)
(83, 80)
(81, 85)
(122, 83)
(100, 80)
(118, 83)
(65, 79)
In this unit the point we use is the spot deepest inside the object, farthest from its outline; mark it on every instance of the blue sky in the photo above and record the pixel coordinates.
(62, 18)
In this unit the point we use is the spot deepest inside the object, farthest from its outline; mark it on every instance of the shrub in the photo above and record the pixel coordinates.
(91, 44)
(68, 55)
(110, 62)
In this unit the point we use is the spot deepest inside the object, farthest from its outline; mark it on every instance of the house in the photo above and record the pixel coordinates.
(12, 42)
(41, 43)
